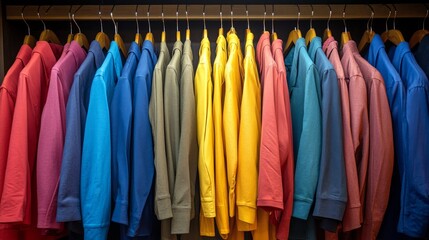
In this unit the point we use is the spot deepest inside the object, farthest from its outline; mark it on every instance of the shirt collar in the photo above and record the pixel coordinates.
(399, 53)
(349, 48)
(315, 44)
(134, 49)
(116, 56)
(178, 45)
(77, 50)
(264, 41)
(24, 54)
(95, 49)
(187, 49)
(277, 44)
(49, 52)
(375, 47)
(296, 50)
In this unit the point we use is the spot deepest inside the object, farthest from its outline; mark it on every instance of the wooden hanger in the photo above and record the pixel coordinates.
(394, 36)
(117, 38)
(29, 39)
(418, 36)
(101, 37)
(294, 35)
(311, 33)
(47, 35)
(80, 38)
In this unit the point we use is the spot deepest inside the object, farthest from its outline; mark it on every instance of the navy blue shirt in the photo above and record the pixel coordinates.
(414, 170)
(421, 54)
(142, 163)
(69, 206)
(395, 90)
(121, 126)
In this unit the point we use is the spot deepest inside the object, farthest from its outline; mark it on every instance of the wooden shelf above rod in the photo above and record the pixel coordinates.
(256, 12)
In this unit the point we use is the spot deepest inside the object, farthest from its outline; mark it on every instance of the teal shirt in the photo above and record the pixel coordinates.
(96, 155)
(305, 100)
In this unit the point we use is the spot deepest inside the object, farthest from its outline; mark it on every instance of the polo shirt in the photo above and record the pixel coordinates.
(69, 203)
(395, 90)
(331, 195)
(95, 185)
(304, 89)
(52, 133)
(142, 169)
(18, 202)
(414, 212)
(421, 54)
(380, 162)
(121, 129)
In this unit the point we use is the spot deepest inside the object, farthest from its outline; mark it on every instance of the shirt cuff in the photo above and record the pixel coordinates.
(164, 208)
(181, 221)
(120, 213)
(96, 233)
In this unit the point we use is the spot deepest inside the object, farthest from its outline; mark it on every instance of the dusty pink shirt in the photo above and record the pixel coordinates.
(52, 132)
(381, 153)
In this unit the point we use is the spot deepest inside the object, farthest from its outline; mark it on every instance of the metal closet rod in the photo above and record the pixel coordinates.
(256, 11)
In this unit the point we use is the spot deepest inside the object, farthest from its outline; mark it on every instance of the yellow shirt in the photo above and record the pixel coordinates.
(205, 132)
(248, 141)
(231, 112)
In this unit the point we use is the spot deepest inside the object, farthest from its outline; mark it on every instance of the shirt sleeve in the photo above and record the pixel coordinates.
(414, 218)
(156, 115)
(96, 164)
(308, 155)
(188, 155)
(331, 196)
(68, 208)
(121, 136)
(7, 106)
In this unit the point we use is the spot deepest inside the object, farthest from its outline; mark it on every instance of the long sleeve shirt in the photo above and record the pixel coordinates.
(414, 217)
(381, 154)
(142, 166)
(52, 134)
(353, 216)
(156, 116)
(395, 90)
(18, 202)
(68, 206)
(231, 113)
(330, 47)
(121, 129)
(331, 195)
(96, 153)
(203, 102)
(304, 88)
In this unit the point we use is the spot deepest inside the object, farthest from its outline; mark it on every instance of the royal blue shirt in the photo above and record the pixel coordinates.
(142, 163)
(414, 170)
(421, 54)
(69, 203)
(331, 194)
(121, 127)
(395, 90)
(95, 176)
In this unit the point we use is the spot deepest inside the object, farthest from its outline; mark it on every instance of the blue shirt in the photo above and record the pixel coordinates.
(414, 212)
(305, 96)
(422, 54)
(96, 154)
(121, 127)
(69, 203)
(395, 90)
(142, 163)
(331, 196)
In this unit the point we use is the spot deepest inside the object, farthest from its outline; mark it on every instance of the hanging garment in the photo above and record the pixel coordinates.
(359, 123)
(421, 54)
(186, 170)
(142, 167)
(8, 92)
(203, 101)
(18, 203)
(96, 153)
(222, 216)
(395, 90)
(414, 212)
(380, 166)
(172, 126)
(52, 133)
(331, 194)
(304, 87)
(69, 201)
(330, 48)
(156, 116)
(231, 113)
(121, 129)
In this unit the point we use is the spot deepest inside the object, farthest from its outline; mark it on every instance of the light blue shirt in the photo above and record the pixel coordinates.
(95, 184)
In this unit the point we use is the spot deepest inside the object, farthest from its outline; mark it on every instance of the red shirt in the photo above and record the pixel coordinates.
(20, 181)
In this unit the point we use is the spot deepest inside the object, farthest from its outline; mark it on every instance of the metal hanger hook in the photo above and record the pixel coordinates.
(299, 16)
(388, 16)
(204, 16)
(137, 20)
(162, 17)
(113, 20)
(99, 16)
(38, 15)
(272, 18)
(148, 18)
(221, 16)
(70, 19)
(370, 20)
(247, 16)
(23, 19)
(426, 16)
(312, 15)
(344, 18)
(394, 17)
(187, 17)
(74, 20)
(177, 18)
(330, 15)
(265, 15)
(232, 17)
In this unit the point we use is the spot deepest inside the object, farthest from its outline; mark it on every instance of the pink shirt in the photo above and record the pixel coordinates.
(381, 153)
(52, 132)
(353, 218)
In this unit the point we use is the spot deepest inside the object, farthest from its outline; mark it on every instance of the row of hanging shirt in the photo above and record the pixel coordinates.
(247, 136)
